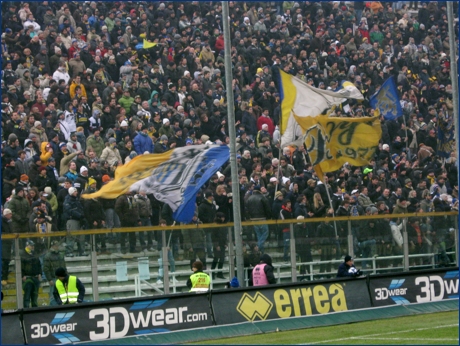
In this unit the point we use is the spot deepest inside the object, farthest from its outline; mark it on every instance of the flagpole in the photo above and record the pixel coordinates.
(454, 79)
(330, 204)
(232, 135)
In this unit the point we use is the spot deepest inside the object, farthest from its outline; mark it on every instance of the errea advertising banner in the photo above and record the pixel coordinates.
(113, 320)
(414, 287)
(301, 299)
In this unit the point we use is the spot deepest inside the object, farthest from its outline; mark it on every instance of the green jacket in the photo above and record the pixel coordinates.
(126, 103)
(21, 210)
(96, 143)
(52, 199)
(52, 261)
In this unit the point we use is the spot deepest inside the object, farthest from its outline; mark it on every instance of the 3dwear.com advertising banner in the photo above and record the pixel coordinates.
(117, 319)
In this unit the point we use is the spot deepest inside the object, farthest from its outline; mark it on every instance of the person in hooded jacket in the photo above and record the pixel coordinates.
(262, 274)
(142, 141)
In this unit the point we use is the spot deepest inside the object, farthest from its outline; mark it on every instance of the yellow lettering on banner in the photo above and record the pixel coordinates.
(282, 303)
(296, 295)
(320, 295)
(323, 299)
(306, 295)
(338, 301)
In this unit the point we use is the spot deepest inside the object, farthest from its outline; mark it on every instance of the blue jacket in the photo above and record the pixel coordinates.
(143, 143)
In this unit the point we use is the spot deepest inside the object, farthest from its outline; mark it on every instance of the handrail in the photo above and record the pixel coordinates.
(230, 224)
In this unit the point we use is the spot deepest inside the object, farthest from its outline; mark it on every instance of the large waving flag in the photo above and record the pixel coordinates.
(306, 101)
(145, 45)
(386, 100)
(174, 177)
(330, 142)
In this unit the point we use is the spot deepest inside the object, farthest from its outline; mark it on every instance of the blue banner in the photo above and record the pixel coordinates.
(387, 101)
(204, 167)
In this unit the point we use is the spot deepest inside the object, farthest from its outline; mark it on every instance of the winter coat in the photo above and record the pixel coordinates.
(257, 207)
(143, 143)
(193, 238)
(73, 209)
(207, 212)
(52, 261)
(111, 155)
(97, 144)
(126, 208)
(20, 208)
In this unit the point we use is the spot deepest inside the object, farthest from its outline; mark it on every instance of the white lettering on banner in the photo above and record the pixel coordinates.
(429, 284)
(118, 334)
(384, 293)
(139, 319)
(42, 330)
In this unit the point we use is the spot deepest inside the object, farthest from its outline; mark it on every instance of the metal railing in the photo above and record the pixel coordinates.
(283, 271)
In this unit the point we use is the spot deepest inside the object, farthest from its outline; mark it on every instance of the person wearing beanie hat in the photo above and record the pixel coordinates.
(73, 212)
(234, 283)
(161, 145)
(6, 244)
(198, 281)
(20, 207)
(262, 274)
(347, 269)
(105, 178)
(111, 154)
(142, 142)
(81, 183)
(68, 289)
(31, 274)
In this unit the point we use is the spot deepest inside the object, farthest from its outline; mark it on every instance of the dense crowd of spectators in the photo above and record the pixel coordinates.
(83, 94)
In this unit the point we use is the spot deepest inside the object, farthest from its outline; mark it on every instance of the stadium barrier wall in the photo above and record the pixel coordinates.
(117, 319)
(413, 287)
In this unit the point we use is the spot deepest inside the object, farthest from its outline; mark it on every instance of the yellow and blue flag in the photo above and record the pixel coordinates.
(173, 177)
(145, 45)
(386, 100)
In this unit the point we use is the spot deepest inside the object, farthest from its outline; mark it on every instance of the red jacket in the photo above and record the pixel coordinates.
(265, 120)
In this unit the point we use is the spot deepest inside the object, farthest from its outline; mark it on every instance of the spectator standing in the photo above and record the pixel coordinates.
(31, 274)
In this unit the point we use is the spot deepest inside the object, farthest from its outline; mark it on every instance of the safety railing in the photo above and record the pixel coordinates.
(307, 249)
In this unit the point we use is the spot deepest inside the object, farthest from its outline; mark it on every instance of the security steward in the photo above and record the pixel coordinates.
(68, 289)
(198, 281)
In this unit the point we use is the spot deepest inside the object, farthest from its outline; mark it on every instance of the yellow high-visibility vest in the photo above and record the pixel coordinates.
(69, 294)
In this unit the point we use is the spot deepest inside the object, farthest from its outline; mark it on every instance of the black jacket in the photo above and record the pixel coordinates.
(257, 206)
(207, 211)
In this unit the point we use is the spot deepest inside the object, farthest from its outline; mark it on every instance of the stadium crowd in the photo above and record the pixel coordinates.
(88, 86)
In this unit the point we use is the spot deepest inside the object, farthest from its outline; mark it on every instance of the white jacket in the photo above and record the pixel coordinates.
(57, 75)
(396, 232)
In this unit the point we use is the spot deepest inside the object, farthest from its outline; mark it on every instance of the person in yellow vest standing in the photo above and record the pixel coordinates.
(68, 288)
(198, 281)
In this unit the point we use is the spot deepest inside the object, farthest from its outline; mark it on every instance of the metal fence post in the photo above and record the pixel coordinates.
(456, 241)
(94, 275)
(293, 253)
(405, 247)
(231, 255)
(18, 272)
(351, 251)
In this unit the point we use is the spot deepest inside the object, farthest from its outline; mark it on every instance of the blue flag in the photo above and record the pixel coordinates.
(387, 101)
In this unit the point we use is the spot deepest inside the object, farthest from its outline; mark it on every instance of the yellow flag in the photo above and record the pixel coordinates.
(330, 142)
(148, 44)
